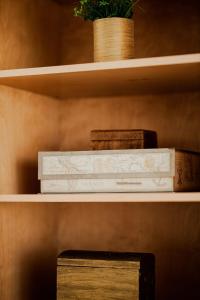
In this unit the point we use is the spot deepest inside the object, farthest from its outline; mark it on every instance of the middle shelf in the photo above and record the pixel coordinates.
(190, 197)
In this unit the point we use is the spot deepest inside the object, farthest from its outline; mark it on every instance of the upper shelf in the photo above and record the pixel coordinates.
(134, 76)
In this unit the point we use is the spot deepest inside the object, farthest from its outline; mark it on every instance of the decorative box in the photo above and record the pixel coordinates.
(123, 139)
(144, 170)
(105, 276)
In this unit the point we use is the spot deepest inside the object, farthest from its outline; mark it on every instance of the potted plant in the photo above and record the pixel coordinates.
(112, 25)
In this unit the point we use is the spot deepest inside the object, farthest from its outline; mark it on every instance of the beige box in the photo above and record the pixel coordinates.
(145, 170)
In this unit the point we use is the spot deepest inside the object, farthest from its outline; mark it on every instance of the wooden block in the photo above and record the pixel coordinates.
(105, 276)
(187, 171)
(123, 139)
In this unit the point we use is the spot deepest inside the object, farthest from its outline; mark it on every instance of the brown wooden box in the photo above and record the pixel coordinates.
(105, 276)
(123, 139)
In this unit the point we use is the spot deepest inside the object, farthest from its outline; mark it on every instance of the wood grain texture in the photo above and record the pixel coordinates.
(120, 144)
(99, 273)
(122, 139)
(30, 33)
(111, 135)
(98, 263)
(97, 283)
(113, 39)
(187, 172)
(27, 125)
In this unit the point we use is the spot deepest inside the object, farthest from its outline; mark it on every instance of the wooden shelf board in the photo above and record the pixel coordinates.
(134, 76)
(112, 197)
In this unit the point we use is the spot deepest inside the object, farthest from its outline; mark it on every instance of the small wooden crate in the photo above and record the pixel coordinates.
(123, 139)
(105, 276)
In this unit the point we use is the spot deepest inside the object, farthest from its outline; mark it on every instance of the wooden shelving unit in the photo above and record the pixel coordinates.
(50, 99)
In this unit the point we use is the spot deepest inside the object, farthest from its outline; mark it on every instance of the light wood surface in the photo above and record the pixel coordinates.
(109, 78)
(111, 197)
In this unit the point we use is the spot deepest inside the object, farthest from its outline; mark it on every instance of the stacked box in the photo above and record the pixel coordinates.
(123, 139)
(145, 170)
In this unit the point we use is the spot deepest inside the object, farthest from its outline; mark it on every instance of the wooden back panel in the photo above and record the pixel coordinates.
(30, 33)
(25, 129)
(175, 117)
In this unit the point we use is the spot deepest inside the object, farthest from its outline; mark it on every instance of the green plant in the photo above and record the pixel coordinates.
(98, 9)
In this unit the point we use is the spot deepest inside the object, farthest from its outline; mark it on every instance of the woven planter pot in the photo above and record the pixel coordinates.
(113, 39)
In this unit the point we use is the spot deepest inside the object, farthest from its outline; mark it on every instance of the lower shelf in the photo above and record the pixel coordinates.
(100, 197)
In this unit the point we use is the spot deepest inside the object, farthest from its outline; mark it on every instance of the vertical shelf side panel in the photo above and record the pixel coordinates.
(28, 251)
(28, 124)
(30, 36)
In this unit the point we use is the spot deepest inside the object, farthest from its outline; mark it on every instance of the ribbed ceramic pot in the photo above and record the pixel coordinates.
(113, 39)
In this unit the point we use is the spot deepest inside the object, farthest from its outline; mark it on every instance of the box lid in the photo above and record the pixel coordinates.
(123, 134)
(107, 164)
(99, 259)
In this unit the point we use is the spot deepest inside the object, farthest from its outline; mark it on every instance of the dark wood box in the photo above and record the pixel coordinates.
(123, 139)
(105, 276)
